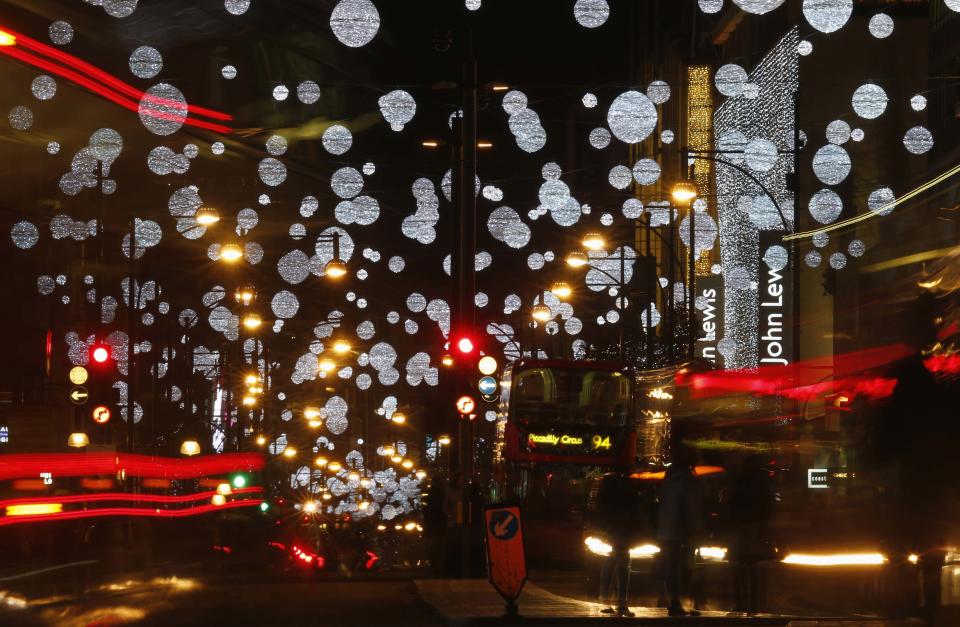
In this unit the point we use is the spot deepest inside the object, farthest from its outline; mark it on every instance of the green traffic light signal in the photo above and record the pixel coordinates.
(239, 481)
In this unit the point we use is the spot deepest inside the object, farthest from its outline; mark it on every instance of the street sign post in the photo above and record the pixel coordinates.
(466, 405)
(505, 555)
(78, 375)
(101, 414)
(79, 395)
(487, 386)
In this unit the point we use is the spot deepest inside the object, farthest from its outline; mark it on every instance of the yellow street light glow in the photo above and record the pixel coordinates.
(311, 413)
(363, 505)
(224, 489)
(388, 450)
(561, 289)
(593, 241)
(341, 347)
(249, 400)
(398, 417)
(327, 365)
(381, 527)
(335, 268)
(446, 360)
(483, 145)
(289, 452)
(396, 459)
(334, 466)
(353, 475)
(407, 464)
(251, 379)
(252, 321)
(421, 475)
(430, 143)
(6, 39)
(255, 389)
(365, 483)
(836, 559)
(206, 216)
(410, 526)
(310, 507)
(444, 440)
(315, 424)
(34, 509)
(577, 259)
(218, 500)
(189, 448)
(683, 192)
(245, 295)
(320, 462)
(231, 252)
(913, 558)
(261, 440)
(326, 496)
(541, 313)
(78, 440)
(500, 87)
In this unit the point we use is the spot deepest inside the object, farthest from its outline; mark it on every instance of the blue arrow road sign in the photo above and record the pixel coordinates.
(487, 385)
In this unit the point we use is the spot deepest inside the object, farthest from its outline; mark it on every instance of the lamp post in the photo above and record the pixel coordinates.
(683, 193)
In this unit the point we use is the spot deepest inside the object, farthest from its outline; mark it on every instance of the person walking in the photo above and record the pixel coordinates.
(679, 522)
(615, 520)
(749, 507)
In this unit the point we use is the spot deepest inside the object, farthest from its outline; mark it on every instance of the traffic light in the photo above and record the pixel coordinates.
(464, 345)
(100, 353)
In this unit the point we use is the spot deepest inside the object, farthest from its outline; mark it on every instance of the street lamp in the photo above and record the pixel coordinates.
(249, 400)
(444, 440)
(231, 252)
(190, 447)
(561, 289)
(336, 267)
(577, 259)
(245, 295)
(320, 462)
(78, 439)
(252, 321)
(206, 216)
(311, 413)
(398, 417)
(327, 365)
(447, 361)
(593, 241)
(683, 192)
(541, 313)
(341, 347)
(251, 379)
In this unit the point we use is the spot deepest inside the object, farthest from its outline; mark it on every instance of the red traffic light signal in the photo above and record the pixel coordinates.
(465, 345)
(99, 353)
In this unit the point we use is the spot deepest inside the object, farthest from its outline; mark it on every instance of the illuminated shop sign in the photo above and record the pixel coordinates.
(775, 295)
(710, 304)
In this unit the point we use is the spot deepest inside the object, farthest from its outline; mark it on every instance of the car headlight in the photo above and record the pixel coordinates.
(598, 546)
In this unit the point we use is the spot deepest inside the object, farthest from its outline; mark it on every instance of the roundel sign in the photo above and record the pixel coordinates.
(487, 386)
(101, 414)
(466, 405)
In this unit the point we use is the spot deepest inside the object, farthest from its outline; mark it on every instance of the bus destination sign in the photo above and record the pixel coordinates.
(570, 441)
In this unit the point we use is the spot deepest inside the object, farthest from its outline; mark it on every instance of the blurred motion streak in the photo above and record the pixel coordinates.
(34, 509)
(129, 511)
(836, 559)
(118, 496)
(104, 84)
(804, 380)
(81, 464)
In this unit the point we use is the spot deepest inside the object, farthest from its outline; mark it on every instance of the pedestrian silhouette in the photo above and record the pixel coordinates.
(679, 524)
(749, 506)
(618, 522)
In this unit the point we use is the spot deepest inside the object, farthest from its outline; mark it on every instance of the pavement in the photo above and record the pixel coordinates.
(474, 602)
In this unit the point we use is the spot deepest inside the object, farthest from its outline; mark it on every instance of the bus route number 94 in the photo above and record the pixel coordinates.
(601, 442)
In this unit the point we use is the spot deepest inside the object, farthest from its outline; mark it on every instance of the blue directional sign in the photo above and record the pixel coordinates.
(487, 386)
(504, 524)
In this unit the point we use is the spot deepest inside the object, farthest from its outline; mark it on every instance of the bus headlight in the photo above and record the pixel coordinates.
(712, 553)
(598, 546)
(644, 550)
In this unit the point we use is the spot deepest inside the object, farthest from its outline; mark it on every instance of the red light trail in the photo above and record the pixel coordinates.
(122, 496)
(129, 511)
(85, 464)
(103, 84)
